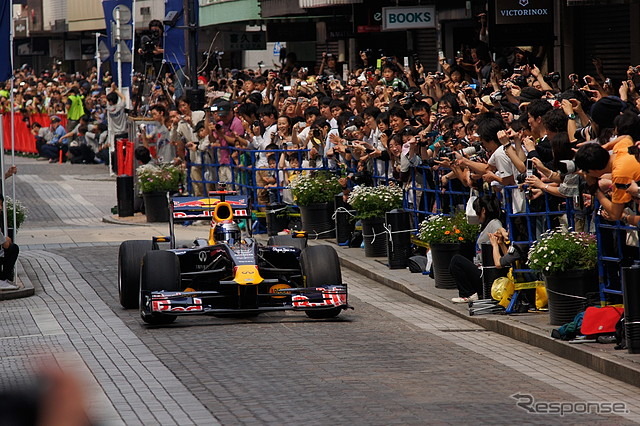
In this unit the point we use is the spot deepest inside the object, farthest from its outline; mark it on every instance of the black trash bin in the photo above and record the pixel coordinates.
(124, 191)
(631, 296)
(399, 238)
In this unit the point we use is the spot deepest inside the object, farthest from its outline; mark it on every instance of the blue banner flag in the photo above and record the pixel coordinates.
(119, 11)
(174, 48)
(6, 67)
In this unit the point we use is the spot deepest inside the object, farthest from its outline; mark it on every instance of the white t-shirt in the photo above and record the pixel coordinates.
(261, 143)
(505, 168)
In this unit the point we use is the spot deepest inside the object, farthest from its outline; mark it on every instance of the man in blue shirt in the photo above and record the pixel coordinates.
(51, 149)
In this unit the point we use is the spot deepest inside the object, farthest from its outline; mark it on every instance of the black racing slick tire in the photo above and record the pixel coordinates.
(160, 271)
(320, 266)
(129, 260)
(287, 241)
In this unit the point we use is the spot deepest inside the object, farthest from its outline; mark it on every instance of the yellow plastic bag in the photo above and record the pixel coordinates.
(541, 297)
(503, 288)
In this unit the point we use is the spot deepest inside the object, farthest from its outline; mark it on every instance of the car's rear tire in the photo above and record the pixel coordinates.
(129, 260)
(320, 267)
(287, 241)
(160, 271)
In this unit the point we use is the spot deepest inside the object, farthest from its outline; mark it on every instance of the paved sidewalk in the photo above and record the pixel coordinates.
(531, 328)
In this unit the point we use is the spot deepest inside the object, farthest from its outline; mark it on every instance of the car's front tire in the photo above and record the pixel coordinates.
(129, 260)
(321, 267)
(160, 271)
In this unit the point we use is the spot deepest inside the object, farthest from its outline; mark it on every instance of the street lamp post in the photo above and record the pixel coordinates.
(98, 60)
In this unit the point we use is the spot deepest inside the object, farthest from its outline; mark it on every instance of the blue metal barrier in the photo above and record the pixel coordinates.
(245, 168)
(425, 196)
(614, 252)
(536, 221)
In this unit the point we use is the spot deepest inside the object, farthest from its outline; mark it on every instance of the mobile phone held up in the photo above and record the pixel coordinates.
(530, 167)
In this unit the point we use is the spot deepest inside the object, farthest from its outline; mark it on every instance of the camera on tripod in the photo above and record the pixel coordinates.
(148, 43)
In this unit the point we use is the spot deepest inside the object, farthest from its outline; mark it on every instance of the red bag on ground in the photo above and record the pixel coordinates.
(601, 320)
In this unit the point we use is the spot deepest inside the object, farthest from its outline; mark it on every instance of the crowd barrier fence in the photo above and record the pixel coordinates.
(425, 195)
(25, 141)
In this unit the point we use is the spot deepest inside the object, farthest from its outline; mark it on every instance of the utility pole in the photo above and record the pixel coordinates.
(195, 96)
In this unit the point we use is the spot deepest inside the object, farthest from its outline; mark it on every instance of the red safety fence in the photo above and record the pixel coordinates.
(25, 141)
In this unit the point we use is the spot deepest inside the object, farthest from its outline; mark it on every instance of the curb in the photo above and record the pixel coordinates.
(26, 286)
(111, 220)
(625, 370)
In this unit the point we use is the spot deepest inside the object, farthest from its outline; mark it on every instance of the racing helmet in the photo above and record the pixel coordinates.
(227, 232)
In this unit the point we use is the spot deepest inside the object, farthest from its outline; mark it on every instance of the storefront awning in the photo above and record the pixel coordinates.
(596, 2)
(308, 4)
(271, 8)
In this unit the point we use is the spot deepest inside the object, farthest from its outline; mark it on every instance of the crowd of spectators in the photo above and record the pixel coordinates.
(473, 123)
(478, 123)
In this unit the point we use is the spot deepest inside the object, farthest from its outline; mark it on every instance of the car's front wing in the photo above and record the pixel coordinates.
(204, 302)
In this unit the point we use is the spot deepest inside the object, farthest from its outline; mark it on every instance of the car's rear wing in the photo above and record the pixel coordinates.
(183, 209)
(202, 208)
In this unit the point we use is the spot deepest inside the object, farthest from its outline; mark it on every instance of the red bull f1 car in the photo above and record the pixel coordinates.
(227, 274)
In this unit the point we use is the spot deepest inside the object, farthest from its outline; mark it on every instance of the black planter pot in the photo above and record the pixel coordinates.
(441, 254)
(631, 296)
(468, 250)
(489, 272)
(277, 218)
(567, 293)
(375, 237)
(399, 241)
(156, 206)
(317, 221)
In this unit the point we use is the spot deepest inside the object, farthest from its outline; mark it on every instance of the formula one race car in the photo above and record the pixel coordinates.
(227, 274)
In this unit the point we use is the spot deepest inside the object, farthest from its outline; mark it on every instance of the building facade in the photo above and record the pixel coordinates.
(566, 35)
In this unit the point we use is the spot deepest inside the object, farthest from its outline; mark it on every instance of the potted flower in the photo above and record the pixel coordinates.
(567, 260)
(371, 204)
(155, 181)
(447, 229)
(314, 194)
(20, 212)
(446, 237)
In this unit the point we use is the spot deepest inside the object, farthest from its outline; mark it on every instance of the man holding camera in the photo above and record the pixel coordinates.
(227, 128)
(198, 155)
(595, 161)
(268, 118)
(156, 138)
(151, 48)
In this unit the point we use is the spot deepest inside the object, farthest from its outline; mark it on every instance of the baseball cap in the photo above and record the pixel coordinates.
(199, 126)
(224, 108)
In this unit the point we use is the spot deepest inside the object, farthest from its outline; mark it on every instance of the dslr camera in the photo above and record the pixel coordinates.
(148, 43)
(566, 167)
(475, 148)
(552, 77)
